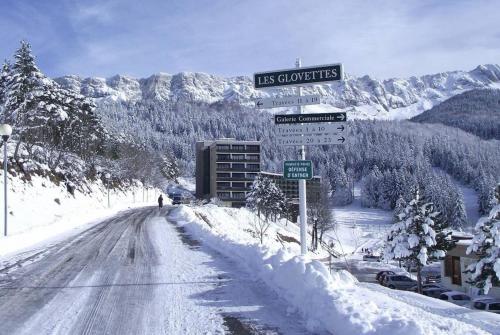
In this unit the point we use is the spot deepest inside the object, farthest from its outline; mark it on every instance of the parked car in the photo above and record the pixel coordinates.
(380, 276)
(372, 258)
(424, 286)
(434, 292)
(399, 282)
(487, 304)
(455, 297)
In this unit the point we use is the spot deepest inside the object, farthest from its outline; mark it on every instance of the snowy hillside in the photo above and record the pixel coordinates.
(363, 97)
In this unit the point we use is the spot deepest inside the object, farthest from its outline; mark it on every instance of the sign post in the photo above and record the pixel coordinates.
(302, 129)
(302, 187)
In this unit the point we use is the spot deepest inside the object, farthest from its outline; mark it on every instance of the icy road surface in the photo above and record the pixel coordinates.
(136, 273)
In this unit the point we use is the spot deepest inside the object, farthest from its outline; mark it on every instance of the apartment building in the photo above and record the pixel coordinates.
(225, 169)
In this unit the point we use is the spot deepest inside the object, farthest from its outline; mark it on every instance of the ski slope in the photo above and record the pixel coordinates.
(359, 227)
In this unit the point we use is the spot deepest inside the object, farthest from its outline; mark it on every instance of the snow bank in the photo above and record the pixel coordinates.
(40, 210)
(333, 302)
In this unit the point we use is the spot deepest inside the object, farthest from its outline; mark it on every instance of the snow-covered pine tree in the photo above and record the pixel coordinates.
(412, 238)
(486, 245)
(398, 208)
(4, 79)
(169, 167)
(27, 107)
(268, 201)
(458, 214)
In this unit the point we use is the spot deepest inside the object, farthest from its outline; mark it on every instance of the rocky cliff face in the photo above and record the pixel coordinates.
(363, 97)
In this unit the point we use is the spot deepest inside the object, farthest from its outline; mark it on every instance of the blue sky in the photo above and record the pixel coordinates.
(232, 37)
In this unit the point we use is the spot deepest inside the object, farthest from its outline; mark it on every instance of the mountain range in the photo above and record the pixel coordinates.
(362, 97)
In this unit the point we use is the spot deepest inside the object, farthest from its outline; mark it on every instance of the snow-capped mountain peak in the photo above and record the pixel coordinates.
(364, 97)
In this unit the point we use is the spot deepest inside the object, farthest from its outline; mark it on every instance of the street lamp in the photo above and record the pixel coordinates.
(5, 132)
(107, 176)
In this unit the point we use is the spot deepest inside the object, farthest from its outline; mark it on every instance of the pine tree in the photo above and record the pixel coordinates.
(399, 208)
(27, 107)
(5, 74)
(268, 201)
(458, 214)
(413, 237)
(486, 245)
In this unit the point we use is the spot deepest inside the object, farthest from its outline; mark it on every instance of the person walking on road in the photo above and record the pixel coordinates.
(160, 201)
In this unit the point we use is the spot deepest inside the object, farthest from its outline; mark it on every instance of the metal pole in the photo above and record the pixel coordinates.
(5, 185)
(302, 188)
(109, 205)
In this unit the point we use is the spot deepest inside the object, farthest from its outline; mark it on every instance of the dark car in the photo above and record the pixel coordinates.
(380, 276)
(177, 199)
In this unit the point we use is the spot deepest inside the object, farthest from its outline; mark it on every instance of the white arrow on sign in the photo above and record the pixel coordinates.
(333, 128)
(311, 133)
(289, 101)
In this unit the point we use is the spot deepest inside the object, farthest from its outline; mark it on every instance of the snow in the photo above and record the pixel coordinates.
(333, 302)
(359, 227)
(40, 210)
(362, 98)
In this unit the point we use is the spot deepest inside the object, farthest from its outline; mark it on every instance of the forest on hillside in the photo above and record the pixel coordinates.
(57, 133)
(476, 111)
(390, 158)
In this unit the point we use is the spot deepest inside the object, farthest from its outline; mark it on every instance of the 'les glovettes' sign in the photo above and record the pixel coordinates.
(299, 76)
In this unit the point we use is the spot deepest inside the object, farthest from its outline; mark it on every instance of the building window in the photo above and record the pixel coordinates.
(238, 166)
(222, 147)
(237, 147)
(238, 184)
(253, 167)
(223, 157)
(253, 148)
(223, 195)
(253, 157)
(223, 185)
(239, 157)
(239, 195)
(456, 275)
(223, 166)
(447, 266)
(223, 175)
(251, 175)
(238, 175)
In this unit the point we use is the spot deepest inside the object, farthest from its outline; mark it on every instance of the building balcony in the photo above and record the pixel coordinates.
(232, 199)
(242, 151)
(238, 169)
(236, 189)
(231, 160)
(235, 179)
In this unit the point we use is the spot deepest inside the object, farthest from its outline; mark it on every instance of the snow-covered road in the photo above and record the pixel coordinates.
(136, 273)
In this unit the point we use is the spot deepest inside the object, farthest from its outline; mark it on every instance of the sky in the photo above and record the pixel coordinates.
(235, 37)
